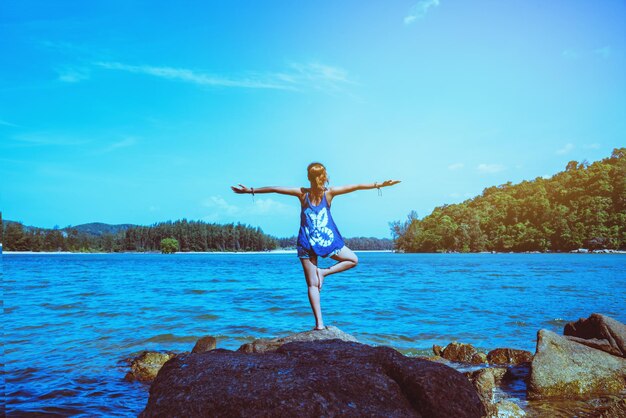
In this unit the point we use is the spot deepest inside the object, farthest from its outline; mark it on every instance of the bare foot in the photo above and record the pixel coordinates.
(320, 278)
(319, 329)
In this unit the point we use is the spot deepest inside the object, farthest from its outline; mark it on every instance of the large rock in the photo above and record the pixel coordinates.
(264, 345)
(509, 356)
(310, 379)
(600, 332)
(463, 353)
(146, 365)
(565, 369)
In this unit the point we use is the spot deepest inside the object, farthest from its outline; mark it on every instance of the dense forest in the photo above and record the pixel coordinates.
(191, 236)
(581, 207)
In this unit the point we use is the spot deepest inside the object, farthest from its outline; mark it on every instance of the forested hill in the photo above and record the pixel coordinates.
(581, 207)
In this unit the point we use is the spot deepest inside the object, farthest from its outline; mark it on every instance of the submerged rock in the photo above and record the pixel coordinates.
(463, 353)
(509, 356)
(507, 409)
(437, 350)
(207, 343)
(311, 379)
(145, 366)
(615, 410)
(566, 369)
(485, 381)
(263, 345)
(600, 332)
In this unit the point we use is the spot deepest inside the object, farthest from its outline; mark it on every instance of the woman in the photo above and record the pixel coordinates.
(318, 235)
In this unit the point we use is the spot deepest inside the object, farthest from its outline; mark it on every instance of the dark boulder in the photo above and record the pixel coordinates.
(509, 356)
(601, 332)
(311, 379)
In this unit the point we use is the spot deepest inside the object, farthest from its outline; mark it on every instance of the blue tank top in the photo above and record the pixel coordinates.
(318, 231)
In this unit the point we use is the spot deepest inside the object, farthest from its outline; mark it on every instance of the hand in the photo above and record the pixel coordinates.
(241, 189)
(387, 183)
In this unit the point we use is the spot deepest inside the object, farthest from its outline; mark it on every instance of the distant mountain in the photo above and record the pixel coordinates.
(98, 229)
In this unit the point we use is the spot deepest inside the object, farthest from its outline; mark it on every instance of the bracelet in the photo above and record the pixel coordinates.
(252, 190)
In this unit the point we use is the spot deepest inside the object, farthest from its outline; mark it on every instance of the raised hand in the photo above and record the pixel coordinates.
(241, 189)
(387, 183)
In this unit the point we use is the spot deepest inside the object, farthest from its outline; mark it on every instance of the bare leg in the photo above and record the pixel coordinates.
(310, 274)
(346, 259)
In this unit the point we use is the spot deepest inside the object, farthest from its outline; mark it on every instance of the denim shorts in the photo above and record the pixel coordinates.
(309, 253)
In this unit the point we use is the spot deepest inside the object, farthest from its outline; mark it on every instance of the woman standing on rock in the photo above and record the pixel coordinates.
(318, 235)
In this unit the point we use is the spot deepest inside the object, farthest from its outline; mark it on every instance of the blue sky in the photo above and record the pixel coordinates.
(140, 112)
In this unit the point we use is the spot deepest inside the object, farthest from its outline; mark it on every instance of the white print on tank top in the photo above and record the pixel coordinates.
(321, 234)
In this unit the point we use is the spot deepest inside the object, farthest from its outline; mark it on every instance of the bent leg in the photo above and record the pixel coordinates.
(346, 259)
(310, 274)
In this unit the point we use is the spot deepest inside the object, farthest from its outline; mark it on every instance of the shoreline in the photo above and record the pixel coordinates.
(294, 252)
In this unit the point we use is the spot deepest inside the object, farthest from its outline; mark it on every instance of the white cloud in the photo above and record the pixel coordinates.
(456, 166)
(219, 204)
(592, 146)
(73, 75)
(298, 77)
(222, 210)
(604, 52)
(419, 10)
(571, 54)
(5, 123)
(490, 168)
(37, 139)
(566, 149)
(124, 143)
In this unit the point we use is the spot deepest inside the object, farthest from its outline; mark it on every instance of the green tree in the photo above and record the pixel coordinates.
(169, 245)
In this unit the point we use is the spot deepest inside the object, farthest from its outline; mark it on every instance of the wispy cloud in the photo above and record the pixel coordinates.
(5, 123)
(592, 146)
(47, 139)
(566, 149)
(124, 143)
(297, 77)
(604, 52)
(73, 75)
(570, 54)
(223, 210)
(419, 10)
(456, 166)
(490, 168)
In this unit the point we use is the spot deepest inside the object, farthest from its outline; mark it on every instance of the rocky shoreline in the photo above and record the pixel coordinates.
(329, 373)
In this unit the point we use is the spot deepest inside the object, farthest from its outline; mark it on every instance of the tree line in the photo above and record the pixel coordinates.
(581, 207)
(190, 235)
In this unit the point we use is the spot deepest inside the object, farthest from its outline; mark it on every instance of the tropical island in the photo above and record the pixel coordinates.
(583, 206)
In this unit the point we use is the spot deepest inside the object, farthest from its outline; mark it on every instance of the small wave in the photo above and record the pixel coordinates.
(521, 288)
(170, 338)
(63, 307)
(59, 393)
(557, 322)
(196, 291)
(207, 317)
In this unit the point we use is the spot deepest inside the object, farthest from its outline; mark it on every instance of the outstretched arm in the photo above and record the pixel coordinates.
(291, 191)
(335, 191)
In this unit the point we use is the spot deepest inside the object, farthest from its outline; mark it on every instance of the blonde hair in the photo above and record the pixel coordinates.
(316, 173)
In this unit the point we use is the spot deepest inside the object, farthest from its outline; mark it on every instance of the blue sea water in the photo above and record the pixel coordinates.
(70, 321)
